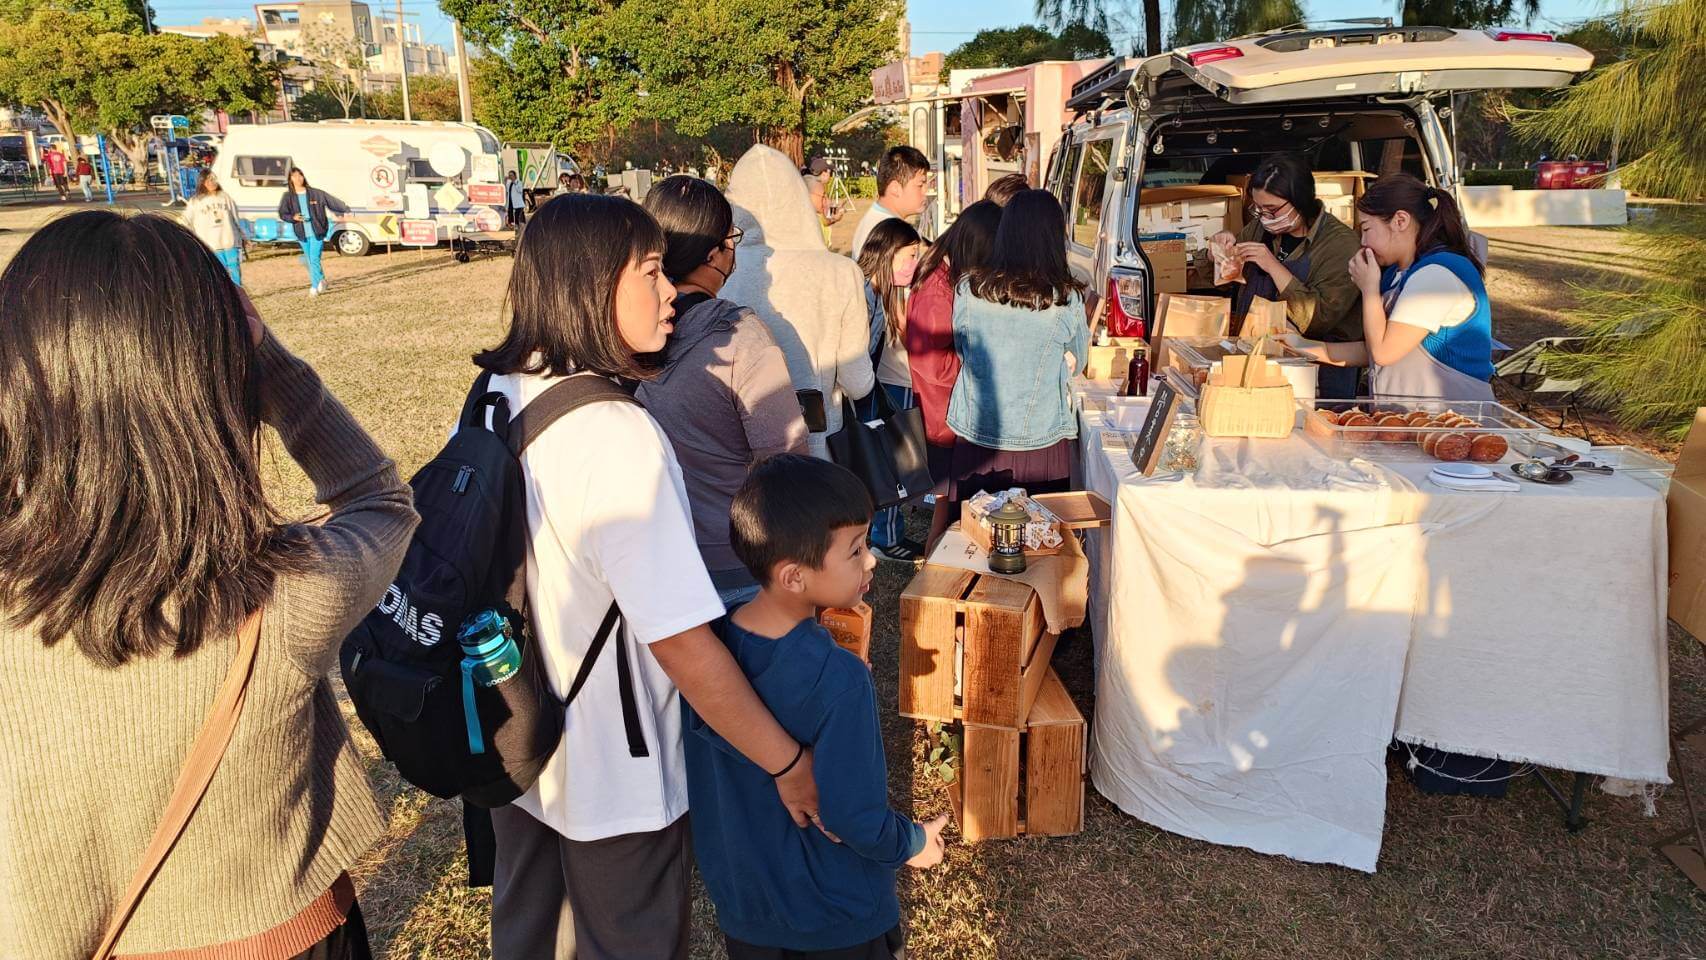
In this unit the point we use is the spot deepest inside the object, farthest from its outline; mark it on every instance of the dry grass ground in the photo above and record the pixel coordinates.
(1458, 878)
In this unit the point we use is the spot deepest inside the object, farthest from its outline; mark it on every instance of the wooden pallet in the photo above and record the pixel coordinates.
(987, 631)
(1050, 777)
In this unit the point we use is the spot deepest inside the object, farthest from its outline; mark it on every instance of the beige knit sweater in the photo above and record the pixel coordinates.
(89, 755)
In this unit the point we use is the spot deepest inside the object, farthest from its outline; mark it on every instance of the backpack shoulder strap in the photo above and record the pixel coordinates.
(563, 398)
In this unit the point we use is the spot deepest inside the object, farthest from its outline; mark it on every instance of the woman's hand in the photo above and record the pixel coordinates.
(1260, 255)
(1224, 239)
(1365, 272)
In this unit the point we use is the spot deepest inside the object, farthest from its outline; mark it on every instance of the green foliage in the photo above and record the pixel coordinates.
(1017, 46)
(1101, 14)
(1465, 14)
(792, 68)
(1202, 21)
(943, 750)
(862, 188)
(1519, 178)
(50, 60)
(1646, 353)
(431, 97)
(123, 16)
(556, 71)
(1648, 103)
(316, 105)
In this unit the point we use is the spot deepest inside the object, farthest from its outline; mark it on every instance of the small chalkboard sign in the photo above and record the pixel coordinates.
(1163, 407)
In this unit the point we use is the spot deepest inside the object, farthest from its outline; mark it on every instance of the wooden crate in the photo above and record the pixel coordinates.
(986, 632)
(1050, 779)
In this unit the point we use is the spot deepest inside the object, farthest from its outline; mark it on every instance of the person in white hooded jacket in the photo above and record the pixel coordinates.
(812, 300)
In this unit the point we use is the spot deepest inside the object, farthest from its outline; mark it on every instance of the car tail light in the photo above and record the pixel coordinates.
(1126, 304)
(1504, 35)
(1208, 53)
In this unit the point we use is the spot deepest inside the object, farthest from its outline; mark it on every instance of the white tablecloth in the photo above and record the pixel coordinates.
(1264, 628)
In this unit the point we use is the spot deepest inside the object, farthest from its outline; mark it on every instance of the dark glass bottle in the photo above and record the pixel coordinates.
(1137, 374)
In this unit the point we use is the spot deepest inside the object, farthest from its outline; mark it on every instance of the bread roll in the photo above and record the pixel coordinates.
(1488, 448)
(1452, 447)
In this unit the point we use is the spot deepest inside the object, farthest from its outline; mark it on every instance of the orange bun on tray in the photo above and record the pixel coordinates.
(1452, 447)
(1394, 423)
(1356, 419)
(1488, 448)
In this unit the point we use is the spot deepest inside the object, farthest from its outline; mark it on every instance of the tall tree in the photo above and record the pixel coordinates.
(339, 59)
(1202, 21)
(1016, 46)
(789, 67)
(49, 60)
(555, 69)
(1058, 14)
(124, 16)
(1465, 14)
(1646, 351)
(431, 97)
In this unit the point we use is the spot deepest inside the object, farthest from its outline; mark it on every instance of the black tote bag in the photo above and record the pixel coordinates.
(889, 455)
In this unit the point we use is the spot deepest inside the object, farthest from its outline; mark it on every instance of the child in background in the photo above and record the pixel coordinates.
(781, 893)
(888, 261)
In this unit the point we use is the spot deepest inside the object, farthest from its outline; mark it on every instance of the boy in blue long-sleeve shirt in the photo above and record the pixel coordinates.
(783, 893)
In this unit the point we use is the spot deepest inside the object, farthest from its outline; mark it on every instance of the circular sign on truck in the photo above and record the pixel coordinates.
(488, 219)
(447, 159)
(384, 176)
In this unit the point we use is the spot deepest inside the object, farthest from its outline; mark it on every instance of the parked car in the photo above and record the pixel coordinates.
(1365, 100)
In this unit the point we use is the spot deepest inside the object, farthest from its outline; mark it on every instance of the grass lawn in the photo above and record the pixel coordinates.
(1458, 877)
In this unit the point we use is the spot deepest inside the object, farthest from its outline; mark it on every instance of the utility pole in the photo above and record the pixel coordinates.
(403, 58)
(462, 93)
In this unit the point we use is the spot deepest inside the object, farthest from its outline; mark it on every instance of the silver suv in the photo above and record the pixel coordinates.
(1366, 97)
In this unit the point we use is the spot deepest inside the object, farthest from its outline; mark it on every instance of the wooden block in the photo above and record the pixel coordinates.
(989, 779)
(993, 627)
(1003, 625)
(929, 629)
(1054, 764)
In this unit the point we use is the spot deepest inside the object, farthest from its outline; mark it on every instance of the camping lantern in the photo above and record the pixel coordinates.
(1007, 539)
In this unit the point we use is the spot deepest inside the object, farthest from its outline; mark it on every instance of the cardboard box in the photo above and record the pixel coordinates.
(1687, 507)
(1112, 361)
(1166, 253)
(1165, 208)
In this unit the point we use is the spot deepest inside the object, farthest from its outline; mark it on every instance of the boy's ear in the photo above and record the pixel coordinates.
(789, 575)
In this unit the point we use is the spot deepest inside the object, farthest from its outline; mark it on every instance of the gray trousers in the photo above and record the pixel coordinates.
(622, 898)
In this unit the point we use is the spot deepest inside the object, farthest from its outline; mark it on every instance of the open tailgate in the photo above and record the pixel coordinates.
(1282, 67)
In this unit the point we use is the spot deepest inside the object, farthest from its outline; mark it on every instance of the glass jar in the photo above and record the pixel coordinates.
(1179, 450)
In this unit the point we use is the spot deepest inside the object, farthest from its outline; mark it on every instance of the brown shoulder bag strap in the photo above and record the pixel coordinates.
(197, 773)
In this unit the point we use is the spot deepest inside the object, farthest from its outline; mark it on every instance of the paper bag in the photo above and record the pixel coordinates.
(1264, 319)
(1186, 315)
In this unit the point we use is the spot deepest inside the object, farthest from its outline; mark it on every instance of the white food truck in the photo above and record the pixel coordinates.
(398, 178)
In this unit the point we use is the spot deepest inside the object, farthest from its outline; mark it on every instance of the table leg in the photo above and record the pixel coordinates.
(1572, 807)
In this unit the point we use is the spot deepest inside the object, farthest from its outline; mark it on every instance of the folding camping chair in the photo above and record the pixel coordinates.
(1529, 373)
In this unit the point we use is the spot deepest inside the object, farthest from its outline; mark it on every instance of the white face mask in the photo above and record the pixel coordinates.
(1280, 224)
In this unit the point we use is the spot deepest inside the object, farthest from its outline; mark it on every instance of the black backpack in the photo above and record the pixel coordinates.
(402, 664)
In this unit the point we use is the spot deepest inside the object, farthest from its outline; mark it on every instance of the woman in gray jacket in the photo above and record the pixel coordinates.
(722, 392)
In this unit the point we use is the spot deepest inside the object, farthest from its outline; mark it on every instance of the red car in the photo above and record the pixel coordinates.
(1570, 174)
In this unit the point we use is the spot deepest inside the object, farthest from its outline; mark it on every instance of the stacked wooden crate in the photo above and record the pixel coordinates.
(975, 649)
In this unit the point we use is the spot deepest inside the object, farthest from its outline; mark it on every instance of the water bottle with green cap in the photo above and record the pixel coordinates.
(490, 656)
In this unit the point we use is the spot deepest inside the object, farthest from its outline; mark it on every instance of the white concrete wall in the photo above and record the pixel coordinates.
(1504, 206)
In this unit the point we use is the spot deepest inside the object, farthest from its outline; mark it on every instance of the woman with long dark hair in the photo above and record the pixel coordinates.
(1426, 320)
(1293, 251)
(722, 391)
(1021, 334)
(593, 861)
(213, 216)
(930, 354)
(889, 260)
(309, 211)
(136, 548)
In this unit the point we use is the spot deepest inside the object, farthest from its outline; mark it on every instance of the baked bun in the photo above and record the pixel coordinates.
(1488, 448)
(1452, 447)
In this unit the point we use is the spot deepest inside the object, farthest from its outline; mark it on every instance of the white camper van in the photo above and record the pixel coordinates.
(385, 171)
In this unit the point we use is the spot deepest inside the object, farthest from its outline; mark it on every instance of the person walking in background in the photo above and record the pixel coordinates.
(213, 217)
(54, 162)
(308, 210)
(817, 177)
(799, 525)
(888, 261)
(86, 177)
(930, 354)
(903, 188)
(515, 200)
(116, 634)
(723, 394)
(1006, 188)
(812, 300)
(594, 861)
(1021, 333)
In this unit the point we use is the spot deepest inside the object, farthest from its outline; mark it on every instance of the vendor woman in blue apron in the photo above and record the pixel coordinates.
(1426, 322)
(1294, 252)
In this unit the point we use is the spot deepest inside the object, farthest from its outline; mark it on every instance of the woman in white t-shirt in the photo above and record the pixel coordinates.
(593, 861)
(1427, 321)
